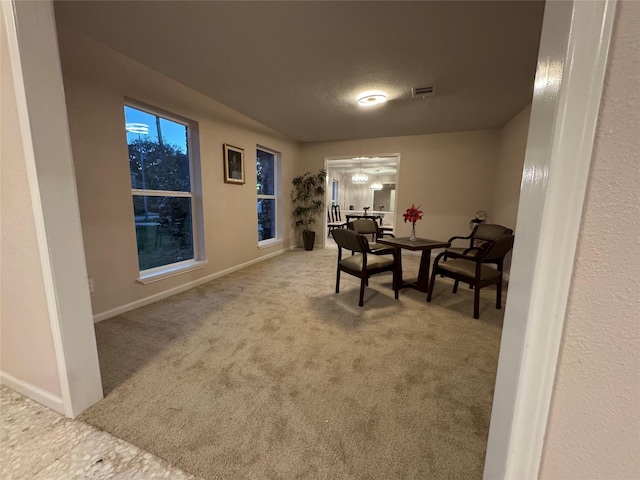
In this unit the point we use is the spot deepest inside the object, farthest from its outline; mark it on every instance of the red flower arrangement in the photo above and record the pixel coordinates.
(413, 214)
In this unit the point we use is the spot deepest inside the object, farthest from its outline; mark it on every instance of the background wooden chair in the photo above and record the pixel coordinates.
(363, 264)
(470, 267)
(334, 219)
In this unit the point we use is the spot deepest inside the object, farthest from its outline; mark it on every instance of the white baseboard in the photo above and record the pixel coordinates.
(47, 399)
(173, 291)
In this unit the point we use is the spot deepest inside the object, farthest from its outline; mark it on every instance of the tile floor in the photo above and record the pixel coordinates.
(38, 443)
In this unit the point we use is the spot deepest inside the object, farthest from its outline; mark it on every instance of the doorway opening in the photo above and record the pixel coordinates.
(362, 185)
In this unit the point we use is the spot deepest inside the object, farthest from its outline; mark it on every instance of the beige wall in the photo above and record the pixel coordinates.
(97, 79)
(27, 352)
(594, 422)
(508, 175)
(450, 175)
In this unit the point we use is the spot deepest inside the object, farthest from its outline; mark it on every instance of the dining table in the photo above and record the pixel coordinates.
(419, 244)
(373, 216)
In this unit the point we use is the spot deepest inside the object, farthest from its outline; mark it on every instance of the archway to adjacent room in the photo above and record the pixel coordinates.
(362, 185)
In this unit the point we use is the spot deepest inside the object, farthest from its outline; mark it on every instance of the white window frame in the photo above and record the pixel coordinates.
(197, 227)
(276, 196)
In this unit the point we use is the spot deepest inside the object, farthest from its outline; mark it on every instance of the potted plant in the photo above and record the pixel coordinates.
(307, 195)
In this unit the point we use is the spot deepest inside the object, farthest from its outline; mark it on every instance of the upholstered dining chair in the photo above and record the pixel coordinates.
(470, 267)
(365, 226)
(362, 264)
(480, 234)
(334, 219)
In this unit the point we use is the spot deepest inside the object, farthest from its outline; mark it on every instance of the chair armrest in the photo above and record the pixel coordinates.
(446, 254)
(464, 255)
(459, 238)
(471, 249)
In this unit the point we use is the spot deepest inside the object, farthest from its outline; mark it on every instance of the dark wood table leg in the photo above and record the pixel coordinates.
(423, 274)
(397, 274)
(397, 257)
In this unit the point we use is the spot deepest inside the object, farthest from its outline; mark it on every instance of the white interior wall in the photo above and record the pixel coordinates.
(358, 196)
(508, 175)
(361, 196)
(594, 421)
(39, 98)
(27, 353)
(568, 85)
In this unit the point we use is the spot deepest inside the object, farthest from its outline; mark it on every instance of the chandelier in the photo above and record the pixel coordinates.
(359, 178)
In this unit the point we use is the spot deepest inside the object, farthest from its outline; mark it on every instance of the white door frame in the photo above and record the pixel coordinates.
(566, 99)
(42, 115)
(571, 67)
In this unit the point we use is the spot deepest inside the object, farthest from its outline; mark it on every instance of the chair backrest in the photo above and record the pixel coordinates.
(335, 213)
(350, 240)
(497, 248)
(364, 226)
(488, 231)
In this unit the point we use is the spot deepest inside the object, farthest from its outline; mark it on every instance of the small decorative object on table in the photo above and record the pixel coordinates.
(412, 215)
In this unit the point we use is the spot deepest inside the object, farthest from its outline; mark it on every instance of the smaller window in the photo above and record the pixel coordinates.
(267, 188)
(335, 188)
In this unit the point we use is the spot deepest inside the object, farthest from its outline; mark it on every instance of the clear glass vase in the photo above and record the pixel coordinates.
(413, 237)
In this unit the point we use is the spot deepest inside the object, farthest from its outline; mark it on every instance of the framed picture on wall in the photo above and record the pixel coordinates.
(233, 164)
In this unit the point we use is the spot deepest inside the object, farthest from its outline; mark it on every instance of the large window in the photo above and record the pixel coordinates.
(267, 186)
(162, 188)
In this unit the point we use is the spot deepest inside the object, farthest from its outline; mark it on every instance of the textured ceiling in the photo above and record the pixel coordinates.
(297, 67)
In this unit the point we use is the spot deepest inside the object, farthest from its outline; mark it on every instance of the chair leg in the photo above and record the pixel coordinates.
(338, 281)
(455, 286)
(431, 282)
(476, 302)
(499, 295)
(362, 285)
(397, 272)
(396, 284)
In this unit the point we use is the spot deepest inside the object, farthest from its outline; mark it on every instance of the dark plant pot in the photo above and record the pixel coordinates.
(308, 238)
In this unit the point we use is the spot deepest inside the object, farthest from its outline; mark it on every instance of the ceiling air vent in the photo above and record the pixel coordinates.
(421, 92)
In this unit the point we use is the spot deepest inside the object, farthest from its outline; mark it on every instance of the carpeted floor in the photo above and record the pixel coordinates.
(267, 373)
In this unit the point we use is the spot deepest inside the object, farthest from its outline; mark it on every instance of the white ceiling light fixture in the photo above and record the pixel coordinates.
(359, 178)
(368, 99)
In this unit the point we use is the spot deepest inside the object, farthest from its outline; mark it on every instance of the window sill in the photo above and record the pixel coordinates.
(269, 243)
(172, 271)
